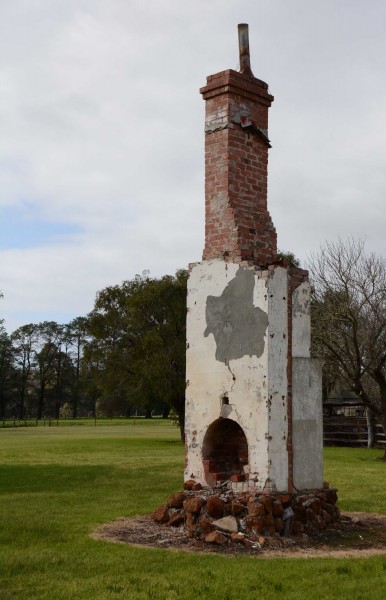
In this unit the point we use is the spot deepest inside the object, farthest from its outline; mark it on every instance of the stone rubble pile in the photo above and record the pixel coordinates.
(219, 515)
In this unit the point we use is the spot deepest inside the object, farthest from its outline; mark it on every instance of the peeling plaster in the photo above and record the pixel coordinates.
(237, 326)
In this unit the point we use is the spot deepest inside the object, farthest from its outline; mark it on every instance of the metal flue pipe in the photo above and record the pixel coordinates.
(245, 60)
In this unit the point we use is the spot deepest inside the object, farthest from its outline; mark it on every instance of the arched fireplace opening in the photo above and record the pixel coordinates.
(224, 452)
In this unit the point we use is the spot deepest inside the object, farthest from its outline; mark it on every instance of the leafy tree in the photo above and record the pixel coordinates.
(6, 370)
(43, 368)
(50, 361)
(89, 378)
(349, 319)
(25, 344)
(5, 367)
(75, 339)
(288, 257)
(139, 341)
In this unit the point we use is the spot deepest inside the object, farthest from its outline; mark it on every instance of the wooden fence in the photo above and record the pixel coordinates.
(350, 431)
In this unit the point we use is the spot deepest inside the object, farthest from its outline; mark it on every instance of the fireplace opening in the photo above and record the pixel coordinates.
(224, 452)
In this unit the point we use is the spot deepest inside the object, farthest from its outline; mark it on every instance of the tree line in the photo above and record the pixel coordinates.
(41, 370)
(126, 356)
(128, 353)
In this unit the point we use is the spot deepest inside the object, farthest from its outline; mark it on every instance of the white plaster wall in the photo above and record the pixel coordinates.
(301, 320)
(248, 381)
(257, 387)
(307, 423)
(207, 379)
(307, 417)
(277, 378)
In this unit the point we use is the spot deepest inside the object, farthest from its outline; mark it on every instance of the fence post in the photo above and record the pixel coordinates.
(370, 427)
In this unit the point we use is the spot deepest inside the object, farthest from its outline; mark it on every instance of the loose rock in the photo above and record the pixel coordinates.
(216, 538)
(228, 524)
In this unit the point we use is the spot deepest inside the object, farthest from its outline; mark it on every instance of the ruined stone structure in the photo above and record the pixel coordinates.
(253, 396)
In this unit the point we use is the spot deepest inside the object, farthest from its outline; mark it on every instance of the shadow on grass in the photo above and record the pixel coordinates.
(56, 479)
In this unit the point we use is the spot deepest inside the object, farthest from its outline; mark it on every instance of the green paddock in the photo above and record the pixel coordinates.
(57, 484)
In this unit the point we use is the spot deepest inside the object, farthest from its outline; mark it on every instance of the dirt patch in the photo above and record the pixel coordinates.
(356, 534)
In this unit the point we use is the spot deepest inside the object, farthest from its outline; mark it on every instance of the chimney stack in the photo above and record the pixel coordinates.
(238, 226)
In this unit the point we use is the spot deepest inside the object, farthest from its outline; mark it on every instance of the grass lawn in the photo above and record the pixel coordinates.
(58, 483)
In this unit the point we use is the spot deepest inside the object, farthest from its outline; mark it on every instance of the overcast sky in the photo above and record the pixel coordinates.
(101, 145)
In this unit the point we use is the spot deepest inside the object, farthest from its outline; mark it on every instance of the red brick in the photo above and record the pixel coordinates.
(255, 524)
(161, 515)
(215, 537)
(176, 518)
(176, 500)
(256, 509)
(193, 505)
(215, 507)
(236, 164)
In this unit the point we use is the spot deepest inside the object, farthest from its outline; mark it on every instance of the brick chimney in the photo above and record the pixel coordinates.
(238, 226)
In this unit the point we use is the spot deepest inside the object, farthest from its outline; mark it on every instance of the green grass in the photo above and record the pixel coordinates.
(360, 477)
(58, 484)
